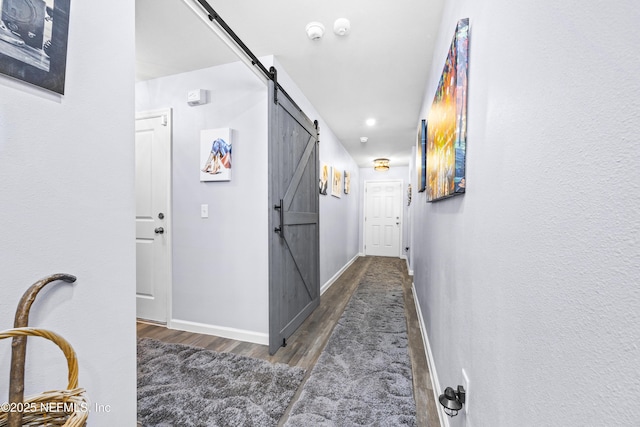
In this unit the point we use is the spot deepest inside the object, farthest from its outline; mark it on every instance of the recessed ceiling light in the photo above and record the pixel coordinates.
(363, 139)
(370, 122)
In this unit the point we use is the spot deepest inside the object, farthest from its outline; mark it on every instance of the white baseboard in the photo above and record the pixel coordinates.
(335, 277)
(409, 270)
(220, 331)
(435, 383)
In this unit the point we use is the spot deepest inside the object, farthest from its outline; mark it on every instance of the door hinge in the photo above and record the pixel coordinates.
(164, 120)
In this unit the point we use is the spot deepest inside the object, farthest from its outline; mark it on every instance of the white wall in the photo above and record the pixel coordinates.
(213, 290)
(530, 280)
(220, 264)
(67, 197)
(339, 217)
(394, 173)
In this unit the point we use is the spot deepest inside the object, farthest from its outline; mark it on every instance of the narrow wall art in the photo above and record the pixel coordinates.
(324, 179)
(447, 129)
(347, 182)
(336, 183)
(421, 156)
(33, 41)
(215, 154)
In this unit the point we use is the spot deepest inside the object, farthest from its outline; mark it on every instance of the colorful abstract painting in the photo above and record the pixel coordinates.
(447, 130)
(215, 154)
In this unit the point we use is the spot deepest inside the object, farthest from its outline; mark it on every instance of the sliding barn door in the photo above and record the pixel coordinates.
(294, 253)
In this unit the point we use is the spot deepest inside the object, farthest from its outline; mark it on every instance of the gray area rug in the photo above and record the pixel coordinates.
(184, 386)
(363, 376)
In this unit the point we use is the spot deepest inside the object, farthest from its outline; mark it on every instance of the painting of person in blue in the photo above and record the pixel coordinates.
(220, 156)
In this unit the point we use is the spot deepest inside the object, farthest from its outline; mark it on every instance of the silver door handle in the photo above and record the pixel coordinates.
(159, 230)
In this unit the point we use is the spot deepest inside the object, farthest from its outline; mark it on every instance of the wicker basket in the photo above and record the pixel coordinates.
(68, 408)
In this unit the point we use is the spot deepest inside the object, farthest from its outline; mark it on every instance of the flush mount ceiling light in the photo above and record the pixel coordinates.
(315, 30)
(342, 26)
(363, 139)
(370, 122)
(381, 164)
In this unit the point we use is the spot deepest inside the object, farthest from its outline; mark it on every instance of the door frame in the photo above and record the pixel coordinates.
(168, 114)
(364, 214)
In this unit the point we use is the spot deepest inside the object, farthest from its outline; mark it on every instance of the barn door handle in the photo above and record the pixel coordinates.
(280, 229)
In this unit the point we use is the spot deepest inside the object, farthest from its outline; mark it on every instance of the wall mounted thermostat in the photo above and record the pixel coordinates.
(197, 97)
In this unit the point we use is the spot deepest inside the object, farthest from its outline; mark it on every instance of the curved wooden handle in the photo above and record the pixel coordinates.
(69, 352)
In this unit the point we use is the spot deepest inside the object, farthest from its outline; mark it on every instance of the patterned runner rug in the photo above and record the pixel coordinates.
(363, 376)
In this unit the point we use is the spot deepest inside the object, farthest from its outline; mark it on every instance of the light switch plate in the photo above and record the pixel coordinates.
(204, 211)
(465, 384)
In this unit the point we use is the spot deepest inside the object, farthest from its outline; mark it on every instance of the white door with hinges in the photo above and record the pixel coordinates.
(153, 215)
(383, 218)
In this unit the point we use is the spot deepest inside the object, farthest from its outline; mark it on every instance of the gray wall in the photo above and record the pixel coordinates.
(220, 264)
(339, 217)
(529, 282)
(67, 197)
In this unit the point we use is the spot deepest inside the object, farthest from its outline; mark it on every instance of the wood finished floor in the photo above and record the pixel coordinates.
(306, 344)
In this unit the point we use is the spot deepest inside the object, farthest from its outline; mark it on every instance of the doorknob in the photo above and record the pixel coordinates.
(159, 230)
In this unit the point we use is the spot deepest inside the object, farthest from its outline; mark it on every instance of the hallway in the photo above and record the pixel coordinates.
(306, 344)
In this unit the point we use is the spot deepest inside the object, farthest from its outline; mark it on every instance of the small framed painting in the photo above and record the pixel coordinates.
(324, 179)
(336, 184)
(347, 182)
(215, 154)
(33, 41)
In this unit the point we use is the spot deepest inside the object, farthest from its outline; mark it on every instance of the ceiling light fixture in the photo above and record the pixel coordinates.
(381, 164)
(342, 26)
(363, 139)
(315, 30)
(370, 122)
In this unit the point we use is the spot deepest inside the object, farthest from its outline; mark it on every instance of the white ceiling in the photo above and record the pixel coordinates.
(379, 70)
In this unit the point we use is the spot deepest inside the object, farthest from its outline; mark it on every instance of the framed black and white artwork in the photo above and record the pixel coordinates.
(33, 41)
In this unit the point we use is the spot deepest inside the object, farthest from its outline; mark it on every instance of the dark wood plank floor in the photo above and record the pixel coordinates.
(306, 344)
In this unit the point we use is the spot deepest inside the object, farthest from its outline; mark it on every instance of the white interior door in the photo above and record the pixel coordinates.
(383, 218)
(153, 216)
